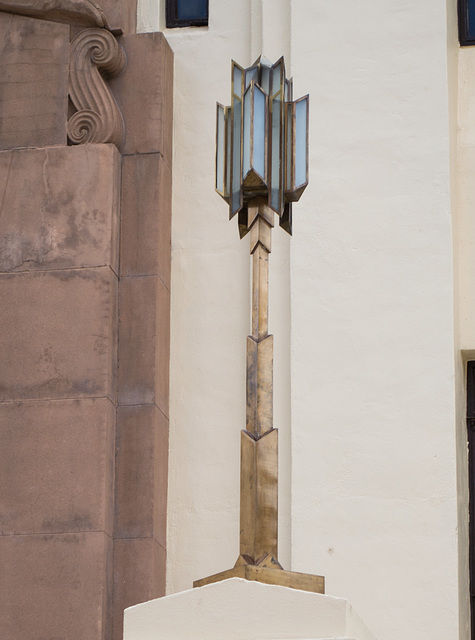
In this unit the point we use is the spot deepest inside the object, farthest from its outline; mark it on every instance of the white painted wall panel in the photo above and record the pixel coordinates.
(373, 456)
(361, 310)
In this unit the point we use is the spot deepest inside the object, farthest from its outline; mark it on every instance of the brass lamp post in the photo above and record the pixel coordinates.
(261, 169)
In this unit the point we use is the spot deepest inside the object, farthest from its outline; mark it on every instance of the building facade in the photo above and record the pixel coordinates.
(372, 310)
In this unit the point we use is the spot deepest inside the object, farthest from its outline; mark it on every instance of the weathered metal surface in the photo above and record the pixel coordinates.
(259, 497)
(291, 579)
(259, 483)
(259, 445)
(259, 385)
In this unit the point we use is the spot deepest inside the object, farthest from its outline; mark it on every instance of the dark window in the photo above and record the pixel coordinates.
(471, 477)
(187, 13)
(466, 11)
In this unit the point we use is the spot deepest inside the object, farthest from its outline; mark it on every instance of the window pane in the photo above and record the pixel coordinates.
(471, 18)
(192, 9)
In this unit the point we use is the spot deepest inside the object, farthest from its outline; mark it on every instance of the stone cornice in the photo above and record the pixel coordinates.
(75, 12)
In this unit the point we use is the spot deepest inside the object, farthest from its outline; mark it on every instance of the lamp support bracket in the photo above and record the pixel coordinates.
(259, 452)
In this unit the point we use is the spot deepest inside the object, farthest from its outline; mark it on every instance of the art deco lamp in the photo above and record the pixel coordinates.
(261, 169)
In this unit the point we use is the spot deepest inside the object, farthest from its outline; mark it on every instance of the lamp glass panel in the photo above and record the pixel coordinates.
(265, 79)
(275, 198)
(192, 9)
(246, 134)
(289, 147)
(236, 160)
(237, 80)
(301, 111)
(259, 133)
(220, 148)
(251, 74)
(229, 132)
(288, 90)
(277, 77)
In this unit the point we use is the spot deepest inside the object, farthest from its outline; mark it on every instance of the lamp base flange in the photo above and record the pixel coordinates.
(291, 579)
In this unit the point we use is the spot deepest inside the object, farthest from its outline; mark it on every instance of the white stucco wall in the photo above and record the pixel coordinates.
(289, 614)
(374, 497)
(361, 310)
(464, 245)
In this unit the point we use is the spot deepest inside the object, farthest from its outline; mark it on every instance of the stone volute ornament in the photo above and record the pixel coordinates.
(85, 13)
(95, 54)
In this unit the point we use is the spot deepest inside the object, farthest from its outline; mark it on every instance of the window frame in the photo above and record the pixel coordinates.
(471, 485)
(172, 20)
(462, 11)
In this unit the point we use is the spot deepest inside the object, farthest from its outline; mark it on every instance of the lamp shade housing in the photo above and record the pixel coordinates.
(262, 142)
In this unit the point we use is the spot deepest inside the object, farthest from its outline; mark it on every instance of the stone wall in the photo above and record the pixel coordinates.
(84, 338)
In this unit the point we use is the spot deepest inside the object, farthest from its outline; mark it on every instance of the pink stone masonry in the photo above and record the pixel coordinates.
(84, 337)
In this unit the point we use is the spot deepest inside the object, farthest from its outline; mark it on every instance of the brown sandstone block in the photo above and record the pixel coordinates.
(144, 342)
(56, 466)
(139, 575)
(58, 334)
(121, 14)
(144, 93)
(33, 82)
(55, 586)
(59, 208)
(141, 473)
(145, 239)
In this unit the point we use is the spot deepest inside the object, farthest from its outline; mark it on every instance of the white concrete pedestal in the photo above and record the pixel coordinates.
(238, 609)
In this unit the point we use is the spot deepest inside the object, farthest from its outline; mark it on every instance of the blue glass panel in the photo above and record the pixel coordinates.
(276, 133)
(301, 110)
(220, 148)
(265, 79)
(236, 171)
(229, 130)
(259, 156)
(277, 77)
(192, 9)
(289, 148)
(471, 18)
(237, 80)
(251, 74)
(246, 136)
(288, 90)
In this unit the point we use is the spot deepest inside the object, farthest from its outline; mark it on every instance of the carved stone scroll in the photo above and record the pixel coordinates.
(79, 12)
(95, 53)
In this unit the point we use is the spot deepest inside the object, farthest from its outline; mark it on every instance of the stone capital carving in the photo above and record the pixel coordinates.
(78, 12)
(95, 54)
